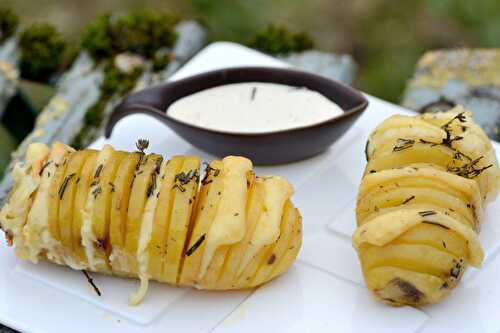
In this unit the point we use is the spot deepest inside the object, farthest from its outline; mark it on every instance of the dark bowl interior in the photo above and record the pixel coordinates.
(262, 148)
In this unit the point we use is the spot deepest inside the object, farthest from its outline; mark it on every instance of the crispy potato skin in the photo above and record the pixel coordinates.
(139, 215)
(420, 205)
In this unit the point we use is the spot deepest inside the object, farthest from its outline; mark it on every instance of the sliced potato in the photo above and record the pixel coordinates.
(81, 195)
(186, 185)
(120, 199)
(415, 257)
(437, 237)
(56, 187)
(397, 286)
(206, 208)
(158, 244)
(293, 247)
(67, 196)
(102, 208)
(288, 226)
(138, 197)
(427, 198)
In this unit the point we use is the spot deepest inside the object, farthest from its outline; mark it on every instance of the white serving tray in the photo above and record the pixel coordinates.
(322, 292)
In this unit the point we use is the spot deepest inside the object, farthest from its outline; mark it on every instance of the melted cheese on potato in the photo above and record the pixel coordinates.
(14, 214)
(37, 231)
(145, 238)
(228, 226)
(276, 192)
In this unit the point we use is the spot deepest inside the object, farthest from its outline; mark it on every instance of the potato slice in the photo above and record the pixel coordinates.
(428, 198)
(397, 286)
(401, 127)
(158, 243)
(137, 200)
(418, 153)
(81, 195)
(120, 199)
(293, 247)
(206, 208)
(102, 209)
(414, 257)
(56, 187)
(280, 248)
(254, 208)
(186, 185)
(67, 196)
(437, 237)
(465, 189)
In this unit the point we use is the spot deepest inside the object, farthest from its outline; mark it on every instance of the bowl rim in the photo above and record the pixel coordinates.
(126, 107)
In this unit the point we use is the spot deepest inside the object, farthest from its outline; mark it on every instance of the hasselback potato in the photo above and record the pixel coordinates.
(138, 215)
(420, 205)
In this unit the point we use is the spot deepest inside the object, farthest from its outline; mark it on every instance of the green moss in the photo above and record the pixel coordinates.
(278, 40)
(161, 61)
(42, 52)
(97, 39)
(142, 31)
(8, 23)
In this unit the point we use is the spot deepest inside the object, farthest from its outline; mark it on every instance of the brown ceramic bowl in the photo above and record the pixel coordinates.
(262, 148)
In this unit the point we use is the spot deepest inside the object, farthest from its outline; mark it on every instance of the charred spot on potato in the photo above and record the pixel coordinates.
(410, 292)
(271, 259)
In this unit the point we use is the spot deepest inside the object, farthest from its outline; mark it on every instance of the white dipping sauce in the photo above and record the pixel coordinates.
(254, 107)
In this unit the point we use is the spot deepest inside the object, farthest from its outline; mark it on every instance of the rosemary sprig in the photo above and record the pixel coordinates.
(91, 281)
(64, 184)
(142, 145)
(436, 223)
(427, 213)
(408, 200)
(196, 245)
(403, 144)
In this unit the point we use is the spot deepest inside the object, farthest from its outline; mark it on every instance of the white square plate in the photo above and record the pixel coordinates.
(323, 291)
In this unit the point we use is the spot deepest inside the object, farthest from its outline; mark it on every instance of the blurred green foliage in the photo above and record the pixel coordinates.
(142, 31)
(386, 37)
(42, 51)
(8, 23)
(279, 40)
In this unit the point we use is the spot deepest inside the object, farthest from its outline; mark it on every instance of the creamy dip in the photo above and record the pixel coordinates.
(254, 107)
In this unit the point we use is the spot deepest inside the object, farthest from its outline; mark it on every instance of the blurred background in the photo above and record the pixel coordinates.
(385, 37)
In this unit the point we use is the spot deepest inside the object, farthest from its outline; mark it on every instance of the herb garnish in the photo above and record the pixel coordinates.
(436, 223)
(427, 213)
(98, 171)
(403, 144)
(408, 200)
(254, 91)
(96, 192)
(64, 185)
(468, 170)
(46, 164)
(196, 245)
(142, 145)
(208, 169)
(91, 281)
(184, 178)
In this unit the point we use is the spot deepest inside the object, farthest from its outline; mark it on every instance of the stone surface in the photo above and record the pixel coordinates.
(337, 67)
(470, 77)
(9, 73)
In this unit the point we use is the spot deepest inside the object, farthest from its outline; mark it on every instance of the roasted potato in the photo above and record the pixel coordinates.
(420, 204)
(138, 215)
